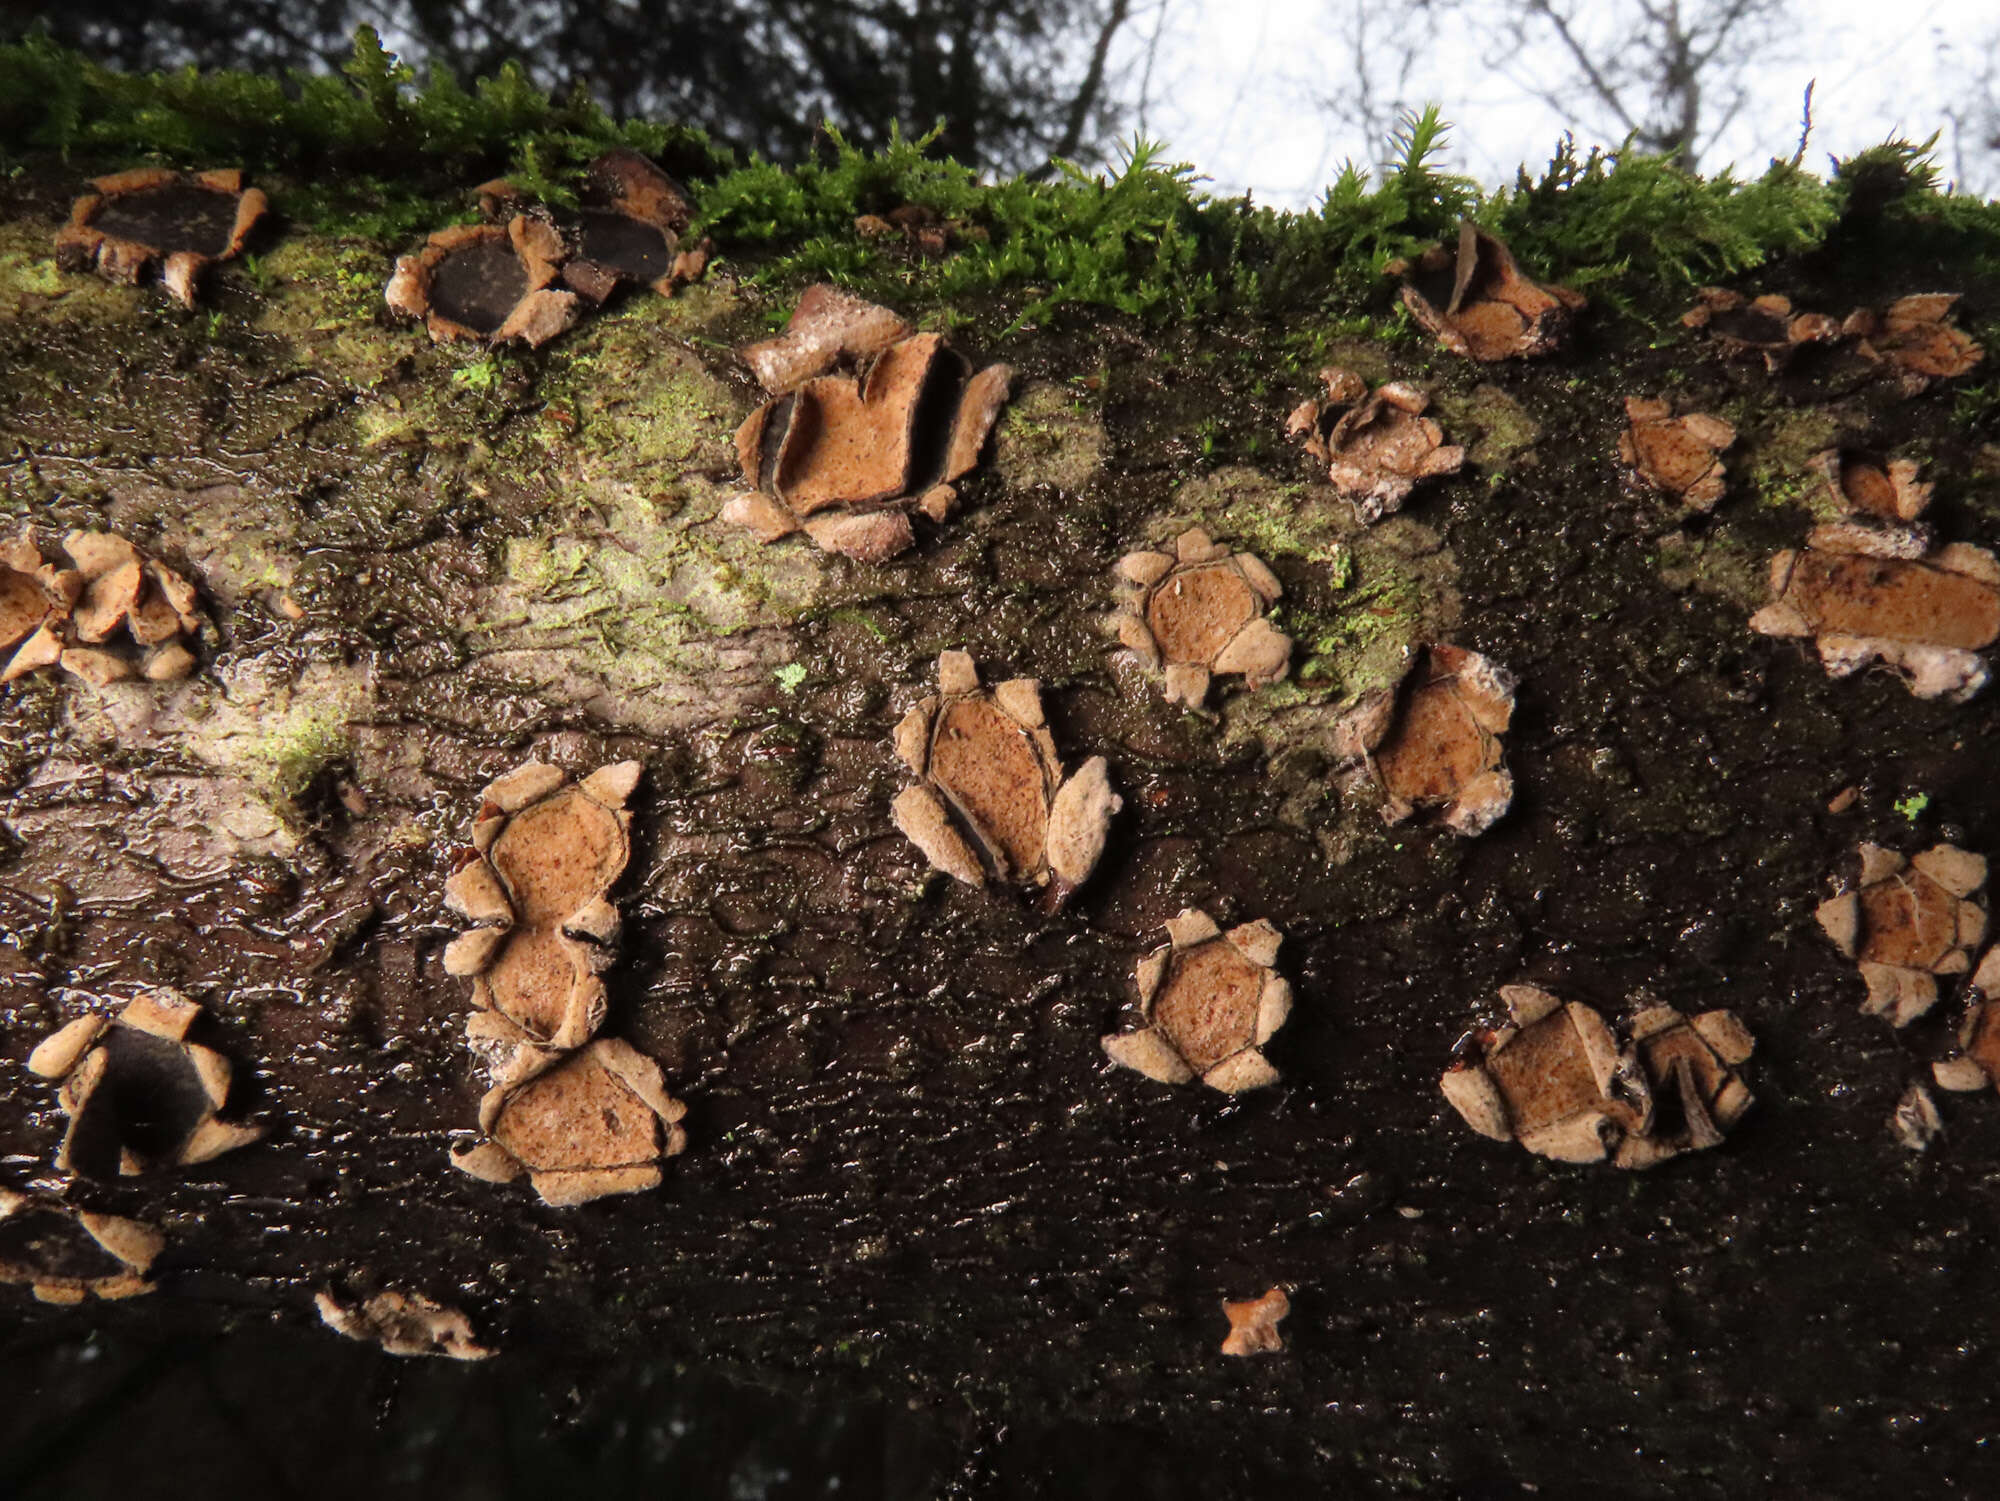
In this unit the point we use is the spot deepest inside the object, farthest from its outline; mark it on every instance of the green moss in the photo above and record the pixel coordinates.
(1494, 428)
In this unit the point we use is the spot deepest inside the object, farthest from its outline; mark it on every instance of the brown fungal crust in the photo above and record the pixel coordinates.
(1905, 920)
(578, 1125)
(1554, 1078)
(1766, 326)
(628, 231)
(545, 855)
(1679, 456)
(1376, 445)
(1492, 312)
(1253, 1324)
(494, 282)
(1198, 612)
(1885, 595)
(149, 221)
(991, 802)
(1432, 744)
(64, 1254)
(138, 1094)
(110, 615)
(1915, 338)
(1871, 488)
(1210, 1001)
(402, 1324)
(867, 423)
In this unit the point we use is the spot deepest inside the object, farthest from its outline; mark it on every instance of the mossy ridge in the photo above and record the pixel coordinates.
(370, 149)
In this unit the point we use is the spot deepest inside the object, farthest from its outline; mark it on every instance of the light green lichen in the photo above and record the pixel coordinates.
(1494, 428)
(1776, 464)
(1050, 434)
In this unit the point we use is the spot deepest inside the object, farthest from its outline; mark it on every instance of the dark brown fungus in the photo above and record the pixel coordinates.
(1198, 612)
(1677, 456)
(153, 221)
(139, 1094)
(487, 281)
(64, 1254)
(1210, 1001)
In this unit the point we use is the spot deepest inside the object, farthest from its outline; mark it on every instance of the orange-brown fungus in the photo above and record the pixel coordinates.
(402, 1324)
(1871, 595)
(1253, 1324)
(1676, 456)
(1210, 1000)
(1905, 920)
(1915, 338)
(1198, 611)
(1376, 445)
(1556, 1079)
(991, 801)
(1872, 488)
(867, 423)
(64, 1254)
(545, 856)
(138, 1094)
(579, 1125)
(1432, 743)
(1491, 311)
(152, 221)
(494, 282)
(111, 614)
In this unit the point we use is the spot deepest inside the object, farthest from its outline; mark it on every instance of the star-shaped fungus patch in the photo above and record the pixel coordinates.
(1477, 302)
(1209, 1000)
(1906, 919)
(1197, 613)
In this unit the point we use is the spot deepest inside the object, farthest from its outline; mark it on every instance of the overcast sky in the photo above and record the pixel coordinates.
(1232, 83)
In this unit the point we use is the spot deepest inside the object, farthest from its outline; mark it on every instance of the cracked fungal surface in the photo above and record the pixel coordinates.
(110, 615)
(1253, 1324)
(139, 1095)
(867, 423)
(578, 1126)
(1376, 444)
(151, 221)
(1209, 1001)
(991, 802)
(1555, 1078)
(1867, 595)
(402, 1323)
(1905, 920)
(1677, 456)
(1477, 302)
(64, 1254)
(495, 282)
(1432, 744)
(536, 885)
(1198, 613)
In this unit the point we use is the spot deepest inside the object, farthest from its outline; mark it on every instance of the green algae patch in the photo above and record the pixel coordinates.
(1050, 434)
(1496, 429)
(1775, 461)
(33, 288)
(1721, 563)
(1357, 599)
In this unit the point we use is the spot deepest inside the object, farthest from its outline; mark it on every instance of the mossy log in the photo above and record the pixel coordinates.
(911, 1173)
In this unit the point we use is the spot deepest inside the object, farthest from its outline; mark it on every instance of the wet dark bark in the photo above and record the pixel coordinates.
(913, 1178)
